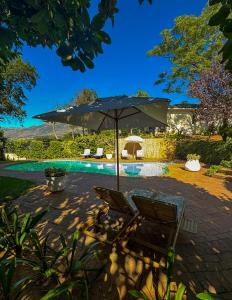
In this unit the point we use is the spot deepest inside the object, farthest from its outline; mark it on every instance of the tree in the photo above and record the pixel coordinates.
(16, 77)
(191, 46)
(185, 104)
(222, 18)
(214, 90)
(83, 97)
(65, 25)
(53, 124)
(141, 93)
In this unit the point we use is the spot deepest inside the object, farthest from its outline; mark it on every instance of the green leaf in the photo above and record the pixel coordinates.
(25, 222)
(40, 16)
(138, 294)
(226, 50)
(88, 62)
(20, 282)
(64, 50)
(212, 2)
(180, 291)
(98, 22)
(27, 262)
(63, 242)
(10, 273)
(15, 221)
(227, 26)
(220, 16)
(104, 37)
(76, 265)
(63, 288)
(207, 296)
(22, 238)
(85, 17)
(37, 218)
(59, 20)
(77, 64)
(74, 246)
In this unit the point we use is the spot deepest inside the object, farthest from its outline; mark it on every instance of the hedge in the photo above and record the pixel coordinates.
(36, 149)
(211, 152)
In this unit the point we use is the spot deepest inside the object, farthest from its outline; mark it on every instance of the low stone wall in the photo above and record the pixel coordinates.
(153, 148)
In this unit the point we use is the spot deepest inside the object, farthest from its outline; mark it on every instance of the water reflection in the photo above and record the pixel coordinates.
(125, 169)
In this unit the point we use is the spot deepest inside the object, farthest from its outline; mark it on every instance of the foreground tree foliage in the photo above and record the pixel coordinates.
(15, 77)
(214, 90)
(64, 25)
(191, 46)
(222, 18)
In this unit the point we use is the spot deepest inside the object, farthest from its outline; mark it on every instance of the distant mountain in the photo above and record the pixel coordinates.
(37, 131)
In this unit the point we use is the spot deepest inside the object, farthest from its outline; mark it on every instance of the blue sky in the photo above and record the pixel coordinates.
(122, 69)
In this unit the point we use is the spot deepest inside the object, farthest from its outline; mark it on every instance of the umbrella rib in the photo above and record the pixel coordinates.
(122, 110)
(135, 113)
(106, 115)
(103, 120)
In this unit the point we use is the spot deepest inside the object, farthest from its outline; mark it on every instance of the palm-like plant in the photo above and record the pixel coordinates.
(45, 259)
(15, 230)
(11, 290)
(75, 271)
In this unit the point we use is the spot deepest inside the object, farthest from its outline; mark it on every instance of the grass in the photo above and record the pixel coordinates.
(11, 188)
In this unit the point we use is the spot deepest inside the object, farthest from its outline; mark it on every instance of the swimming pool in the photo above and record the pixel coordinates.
(126, 169)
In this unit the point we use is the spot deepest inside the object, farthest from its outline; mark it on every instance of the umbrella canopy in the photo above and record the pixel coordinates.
(134, 139)
(132, 112)
(113, 113)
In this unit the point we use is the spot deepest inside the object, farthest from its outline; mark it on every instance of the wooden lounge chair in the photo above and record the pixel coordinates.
(139, 154)
(166, 211)
(99, 153)
(86, 153)
(114, 220)
(124, 154)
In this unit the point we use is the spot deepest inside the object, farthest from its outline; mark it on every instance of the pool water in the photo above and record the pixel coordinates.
(126, 169)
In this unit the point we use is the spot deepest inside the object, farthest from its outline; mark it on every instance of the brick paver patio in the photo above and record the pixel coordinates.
(204, 260)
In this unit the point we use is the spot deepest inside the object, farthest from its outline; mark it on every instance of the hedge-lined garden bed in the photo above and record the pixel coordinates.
(211, 152)
(39, 149)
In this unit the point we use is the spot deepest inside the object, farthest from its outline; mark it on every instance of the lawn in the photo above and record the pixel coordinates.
(11, 188)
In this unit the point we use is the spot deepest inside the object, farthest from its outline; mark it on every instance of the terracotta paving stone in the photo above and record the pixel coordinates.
(204, 260)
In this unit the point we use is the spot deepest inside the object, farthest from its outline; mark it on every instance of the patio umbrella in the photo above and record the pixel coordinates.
(113, 113)
(134, 139)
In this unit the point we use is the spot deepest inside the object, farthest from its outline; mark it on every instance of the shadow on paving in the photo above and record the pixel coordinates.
(204, 260)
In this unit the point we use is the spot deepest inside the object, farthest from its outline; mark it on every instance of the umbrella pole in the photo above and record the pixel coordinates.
(117, 148)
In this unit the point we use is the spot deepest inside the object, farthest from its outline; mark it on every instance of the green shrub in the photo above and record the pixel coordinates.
(193, 157)
(35, 150)
(2, 144)
(54, 150)
(57, 269)
(54, 172)
(227, 164)
(212, 170)
(211, 152)
(20, 147)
